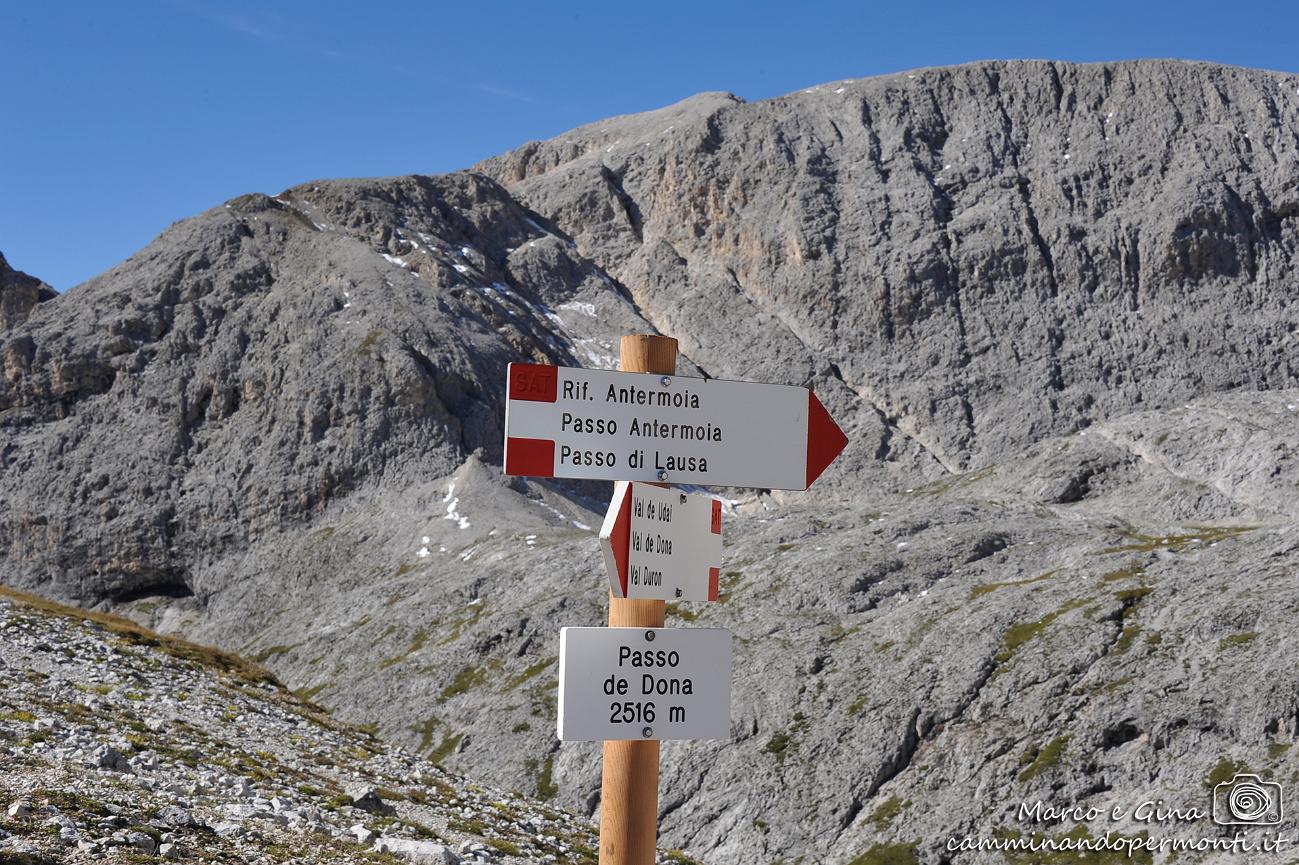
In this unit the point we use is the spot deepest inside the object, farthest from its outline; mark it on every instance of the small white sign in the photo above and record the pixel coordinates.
(566, 422)
(644, 683)
(661, 543)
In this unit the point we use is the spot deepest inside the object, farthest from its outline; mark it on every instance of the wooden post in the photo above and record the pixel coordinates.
(629, 791)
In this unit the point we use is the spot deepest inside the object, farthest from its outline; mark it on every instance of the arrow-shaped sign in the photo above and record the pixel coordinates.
(589, 423)
(662, 544)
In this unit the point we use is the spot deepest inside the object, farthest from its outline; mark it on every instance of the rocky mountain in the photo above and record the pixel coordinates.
(1052, 305)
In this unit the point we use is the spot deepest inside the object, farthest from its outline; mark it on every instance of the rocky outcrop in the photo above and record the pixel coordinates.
(979, 256)
(19, 295)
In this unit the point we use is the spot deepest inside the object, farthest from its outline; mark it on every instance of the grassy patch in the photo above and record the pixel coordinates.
(1242, 639)
(547, 789)
(1126, 637)
(465, 681)
(223, 662)
(778, 745)
(954, 483)
(889, 854)
(1037, 760)
(309, 694)
(533, 670)
(677, 857)
(445, 748)
(1141, 543)
(1017, 635)
(466, 619)
(416, 643)
(368, 343)
(1131, 572)
(1132, 596)
(1224, 771)
(781, 745)
(882, 817)
(266, 654)
(979, 591)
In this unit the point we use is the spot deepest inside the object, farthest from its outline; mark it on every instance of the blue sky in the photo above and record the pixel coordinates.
(120, 118)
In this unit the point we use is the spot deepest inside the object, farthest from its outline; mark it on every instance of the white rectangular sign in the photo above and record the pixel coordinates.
(644, 683)
(662, 543)
(628, 426)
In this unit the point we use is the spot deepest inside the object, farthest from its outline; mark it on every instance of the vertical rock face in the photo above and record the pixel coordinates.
(1053, 306)
(19, 295)
(984, 255)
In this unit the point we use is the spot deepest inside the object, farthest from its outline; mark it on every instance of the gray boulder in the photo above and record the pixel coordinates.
(418, 852)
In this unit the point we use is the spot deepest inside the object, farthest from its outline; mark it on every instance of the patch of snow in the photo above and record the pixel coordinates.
(460, 268)
(424, 540)
(580, 306)
(392, 259)
(452, 502)
(583, 526)
(902, 545)
(475, 602)
(423, 552)
(841, 89)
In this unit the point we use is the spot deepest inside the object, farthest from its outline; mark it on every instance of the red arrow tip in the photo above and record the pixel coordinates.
(825, 440)
(621, 539)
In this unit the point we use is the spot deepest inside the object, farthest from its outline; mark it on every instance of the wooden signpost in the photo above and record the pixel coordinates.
(636, 682)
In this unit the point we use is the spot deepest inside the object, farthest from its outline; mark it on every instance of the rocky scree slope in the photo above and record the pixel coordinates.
(123, 745)
(1052, 305)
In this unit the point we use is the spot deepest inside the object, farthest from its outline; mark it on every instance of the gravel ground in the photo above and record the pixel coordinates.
(118, 744)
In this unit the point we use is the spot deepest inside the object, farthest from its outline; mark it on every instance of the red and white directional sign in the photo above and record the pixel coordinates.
(661, 543)
(644, 683)
(630, 426)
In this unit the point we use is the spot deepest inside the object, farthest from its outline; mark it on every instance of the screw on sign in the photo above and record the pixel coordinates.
(657, 543)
